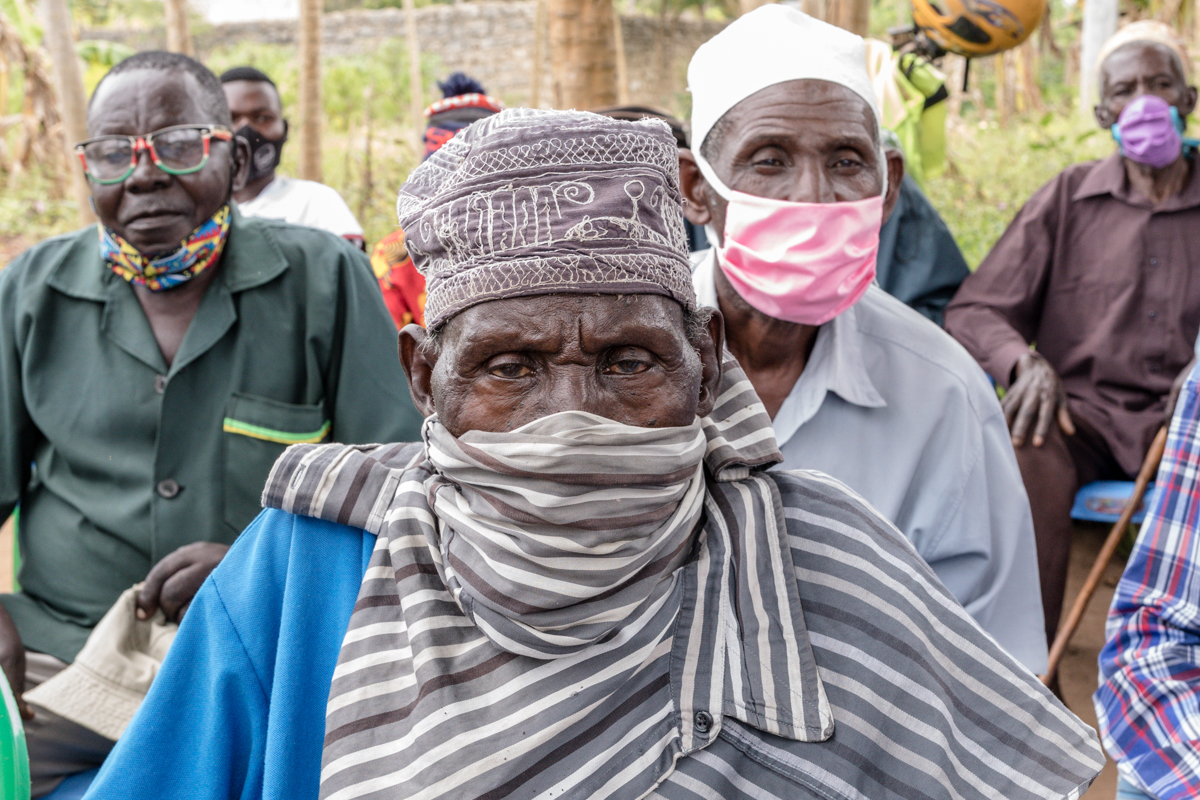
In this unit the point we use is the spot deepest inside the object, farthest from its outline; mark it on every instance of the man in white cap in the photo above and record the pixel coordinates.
(788, 173)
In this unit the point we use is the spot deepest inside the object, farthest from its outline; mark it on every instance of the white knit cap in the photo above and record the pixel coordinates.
(772, 44)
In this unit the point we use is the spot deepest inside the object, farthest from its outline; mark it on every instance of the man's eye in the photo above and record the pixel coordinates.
(846, 163)
(768, 162)
(627, 366)
(510, 371)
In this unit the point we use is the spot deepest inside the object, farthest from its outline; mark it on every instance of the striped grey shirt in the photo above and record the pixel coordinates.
(805, 652)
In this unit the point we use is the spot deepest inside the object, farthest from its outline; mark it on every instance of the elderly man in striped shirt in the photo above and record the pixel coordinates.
(582, 582)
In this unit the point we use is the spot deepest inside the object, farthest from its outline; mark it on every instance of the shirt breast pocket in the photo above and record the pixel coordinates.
(256, 432)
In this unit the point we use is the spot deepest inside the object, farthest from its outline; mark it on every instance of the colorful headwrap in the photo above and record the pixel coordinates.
(196, 253)
(531, 202)
(464, 100)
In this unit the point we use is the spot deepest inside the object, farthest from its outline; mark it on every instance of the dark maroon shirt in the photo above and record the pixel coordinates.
(1106, 285)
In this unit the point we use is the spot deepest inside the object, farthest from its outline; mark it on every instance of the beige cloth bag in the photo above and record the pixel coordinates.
(112, 673)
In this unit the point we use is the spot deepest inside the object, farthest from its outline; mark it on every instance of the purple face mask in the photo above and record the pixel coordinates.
(1150, 131)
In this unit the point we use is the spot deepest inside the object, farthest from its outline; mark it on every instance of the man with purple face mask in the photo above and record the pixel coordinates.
(1087, 307)
(789, 175)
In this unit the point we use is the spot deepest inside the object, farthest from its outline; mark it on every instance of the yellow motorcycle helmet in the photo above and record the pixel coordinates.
(974, 28)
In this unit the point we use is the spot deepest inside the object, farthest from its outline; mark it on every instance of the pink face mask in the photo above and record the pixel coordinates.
(800, 262)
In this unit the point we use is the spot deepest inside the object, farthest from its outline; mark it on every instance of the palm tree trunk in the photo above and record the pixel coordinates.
(68, 82)
(853, 15)
(582, 53)
(179, 33)
(416, 92)
(310, 90)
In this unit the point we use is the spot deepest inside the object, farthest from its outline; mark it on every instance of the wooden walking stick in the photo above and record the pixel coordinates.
(1149, 468)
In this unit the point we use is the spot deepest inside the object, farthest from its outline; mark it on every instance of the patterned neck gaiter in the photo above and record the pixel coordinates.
(196, 253)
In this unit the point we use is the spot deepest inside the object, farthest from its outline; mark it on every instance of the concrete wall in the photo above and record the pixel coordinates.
(492, 41)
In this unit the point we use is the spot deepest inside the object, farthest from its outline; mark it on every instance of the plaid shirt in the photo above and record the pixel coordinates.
(1149, 702)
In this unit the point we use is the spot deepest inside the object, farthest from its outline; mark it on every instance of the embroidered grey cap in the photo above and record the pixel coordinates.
(530, 202)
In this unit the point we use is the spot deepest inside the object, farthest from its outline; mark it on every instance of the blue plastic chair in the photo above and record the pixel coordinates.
(1103, 501)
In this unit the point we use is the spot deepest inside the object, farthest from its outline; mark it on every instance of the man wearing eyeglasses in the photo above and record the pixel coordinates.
(154, 366)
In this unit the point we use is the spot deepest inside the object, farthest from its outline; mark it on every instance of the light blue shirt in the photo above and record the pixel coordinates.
(892, 406)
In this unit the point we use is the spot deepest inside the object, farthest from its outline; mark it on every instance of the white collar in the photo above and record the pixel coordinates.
(835, 365)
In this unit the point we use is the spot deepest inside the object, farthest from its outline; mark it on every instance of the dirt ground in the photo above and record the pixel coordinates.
(1078, 671)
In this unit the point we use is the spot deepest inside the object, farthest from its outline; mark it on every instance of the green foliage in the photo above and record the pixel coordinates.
(21, 15)
(99, 57)
(994, 170)
(348, 83)
(29, 213)
(119, 13)
(377, 80)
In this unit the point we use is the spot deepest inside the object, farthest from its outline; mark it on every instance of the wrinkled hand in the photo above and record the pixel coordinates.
(12, 661)
(174, 581)
(1176, 388)
(1035, 399)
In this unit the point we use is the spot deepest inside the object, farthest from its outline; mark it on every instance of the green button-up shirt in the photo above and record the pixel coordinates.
(116, 460)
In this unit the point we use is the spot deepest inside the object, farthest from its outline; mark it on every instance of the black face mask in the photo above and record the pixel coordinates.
(264, 152)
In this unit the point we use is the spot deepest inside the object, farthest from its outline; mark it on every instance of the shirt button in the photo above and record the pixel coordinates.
(168, 489)
(703, 721)
(1154, 262)
(160, 383)
(1152, 315)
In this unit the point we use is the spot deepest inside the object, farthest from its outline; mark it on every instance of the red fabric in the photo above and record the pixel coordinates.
(402, 286)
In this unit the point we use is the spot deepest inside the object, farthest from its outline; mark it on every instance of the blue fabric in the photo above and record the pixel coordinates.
(74, 787)
(919, 262)
(1127, 791)
(247, 656)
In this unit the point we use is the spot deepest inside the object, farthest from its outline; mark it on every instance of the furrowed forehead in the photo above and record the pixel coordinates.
(546, 323)
(796, 109)
(1131, 60)
(143, 100)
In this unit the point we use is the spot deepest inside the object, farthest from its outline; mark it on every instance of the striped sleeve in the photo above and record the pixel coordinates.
(926, 704)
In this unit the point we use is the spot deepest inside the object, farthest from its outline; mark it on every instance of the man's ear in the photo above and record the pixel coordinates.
(711, 349)
(1104, 118)
(241, 162)
(418, 365)
(694, 189)
(895, 173)
(1189, 102)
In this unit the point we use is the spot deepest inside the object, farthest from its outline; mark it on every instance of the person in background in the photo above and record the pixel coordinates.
(1148, 703)
(464, 101)
(153, 367)
(919, 262)
(792, 179)
(258, 118)
(1087, 308)
(583, 582)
